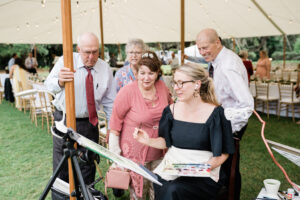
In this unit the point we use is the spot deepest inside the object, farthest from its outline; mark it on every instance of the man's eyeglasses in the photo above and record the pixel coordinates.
(134, 53)
(180, 83)
(90, 52)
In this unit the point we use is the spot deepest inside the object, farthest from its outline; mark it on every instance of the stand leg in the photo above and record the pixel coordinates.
(80, 178)
(54, 176)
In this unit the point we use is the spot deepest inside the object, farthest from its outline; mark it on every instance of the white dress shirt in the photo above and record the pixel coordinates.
(11, 62)
(231, 85)
(104, 86)
(30, 62)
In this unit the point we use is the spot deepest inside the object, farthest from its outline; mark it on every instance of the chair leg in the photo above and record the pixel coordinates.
(35, 119)
(47, 118)
(267, 108)
(24, 106)
(287, 110)
(293, 112)
(278, 111)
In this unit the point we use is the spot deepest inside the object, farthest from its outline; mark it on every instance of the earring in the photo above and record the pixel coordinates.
(196, 93)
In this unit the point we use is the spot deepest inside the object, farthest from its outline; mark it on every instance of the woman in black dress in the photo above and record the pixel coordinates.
(195, 130)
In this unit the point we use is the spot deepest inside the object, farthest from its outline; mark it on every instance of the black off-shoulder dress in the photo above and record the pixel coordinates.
(215, 136)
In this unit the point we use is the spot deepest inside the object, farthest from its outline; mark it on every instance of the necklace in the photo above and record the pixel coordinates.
(152, 97)
(152, 101)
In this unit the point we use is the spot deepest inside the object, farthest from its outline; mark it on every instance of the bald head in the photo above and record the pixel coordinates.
(208, 34)
(209, 44)
(88, 47)
(87, 38)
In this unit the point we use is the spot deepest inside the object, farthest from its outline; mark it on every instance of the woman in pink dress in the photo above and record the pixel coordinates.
(263, 66)
(139, 104)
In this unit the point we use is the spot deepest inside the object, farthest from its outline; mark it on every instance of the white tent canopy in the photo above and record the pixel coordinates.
(28, 21)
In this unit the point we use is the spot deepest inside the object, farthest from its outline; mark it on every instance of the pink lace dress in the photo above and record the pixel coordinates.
(132, 111)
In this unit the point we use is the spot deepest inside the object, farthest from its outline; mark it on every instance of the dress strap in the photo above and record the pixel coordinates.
(173, 109)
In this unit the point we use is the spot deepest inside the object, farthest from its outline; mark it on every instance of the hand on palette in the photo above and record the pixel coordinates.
(141, 136)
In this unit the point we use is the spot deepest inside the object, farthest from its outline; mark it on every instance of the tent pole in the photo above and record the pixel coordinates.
(275, 25)
(101, 29)
(233, 44)
(35, 52)
(182, 30)
(69, 86)
(284, 50)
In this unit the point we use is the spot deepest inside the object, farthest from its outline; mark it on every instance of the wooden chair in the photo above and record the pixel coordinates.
(286, 76)
(35, 107)
(263, 96)
(102, 126)
(25, 100)
(293, 77)
(46, 109)
(287, 98)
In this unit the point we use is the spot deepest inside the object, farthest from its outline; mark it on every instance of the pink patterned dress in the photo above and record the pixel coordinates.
(132, 111)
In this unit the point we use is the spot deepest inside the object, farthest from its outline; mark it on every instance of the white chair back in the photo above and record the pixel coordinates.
(286, 93)
(285, 75)
(294, 76)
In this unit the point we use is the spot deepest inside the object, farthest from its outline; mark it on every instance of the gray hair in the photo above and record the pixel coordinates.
(136, 42)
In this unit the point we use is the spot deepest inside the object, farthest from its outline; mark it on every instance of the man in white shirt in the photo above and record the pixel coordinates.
(231, 86)
(31, 63)
(93, 82)
(11, 61)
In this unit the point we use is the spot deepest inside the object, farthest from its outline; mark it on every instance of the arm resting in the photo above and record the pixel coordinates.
(217, 161)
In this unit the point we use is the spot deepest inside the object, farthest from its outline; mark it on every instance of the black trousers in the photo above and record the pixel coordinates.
(226, 166)
(85, 128)
(8, 91)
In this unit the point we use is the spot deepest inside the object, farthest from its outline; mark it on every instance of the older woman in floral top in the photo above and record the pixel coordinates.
(134, 50)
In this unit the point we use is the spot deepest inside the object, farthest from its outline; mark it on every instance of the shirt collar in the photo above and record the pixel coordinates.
(217, 60)
(81, 65)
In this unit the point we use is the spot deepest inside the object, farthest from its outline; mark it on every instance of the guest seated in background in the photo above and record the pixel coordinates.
(263, 66)
(196, 131)
(139, 104)
(248, 64)
(134, 50)
(31, 63)
(113, 60)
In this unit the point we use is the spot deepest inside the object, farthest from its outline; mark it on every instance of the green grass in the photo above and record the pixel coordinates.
(256, 163)
(26, 156)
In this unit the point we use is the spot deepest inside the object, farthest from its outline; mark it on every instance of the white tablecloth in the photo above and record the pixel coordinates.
(2, 78)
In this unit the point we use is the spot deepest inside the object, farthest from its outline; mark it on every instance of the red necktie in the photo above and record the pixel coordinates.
(89, 87)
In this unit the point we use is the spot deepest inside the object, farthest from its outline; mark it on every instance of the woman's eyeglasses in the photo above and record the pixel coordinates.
(181, 83)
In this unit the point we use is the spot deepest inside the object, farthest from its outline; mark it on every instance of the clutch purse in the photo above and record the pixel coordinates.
(117, 179)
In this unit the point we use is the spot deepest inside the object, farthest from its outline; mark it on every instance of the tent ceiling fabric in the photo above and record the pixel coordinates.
(26, 21)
